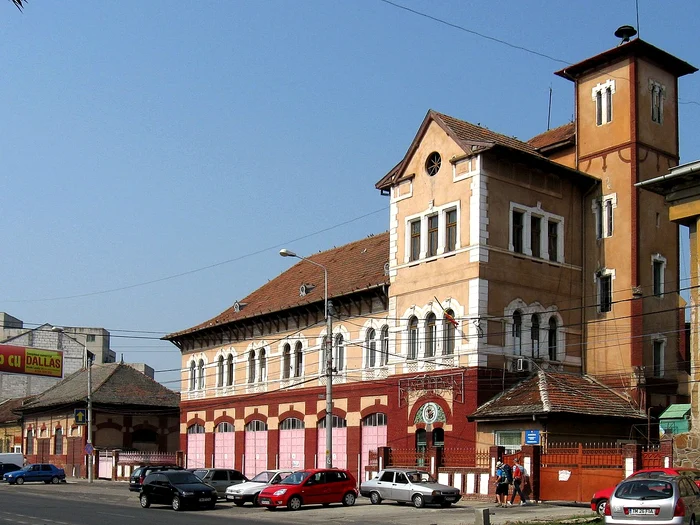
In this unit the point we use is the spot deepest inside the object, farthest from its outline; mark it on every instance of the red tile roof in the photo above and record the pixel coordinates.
(353, 267)
(557, 393)
(562, 134)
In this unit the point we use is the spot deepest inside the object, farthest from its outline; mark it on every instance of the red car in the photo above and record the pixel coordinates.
(309, 487)
(600, 498)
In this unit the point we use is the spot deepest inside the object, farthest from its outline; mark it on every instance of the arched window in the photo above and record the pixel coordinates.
(430, 335)
(338, 422)
(195, 429)
(371, 348)
(552, 339)
(421, 446)
(256, 426)
(448, 333)
(220, 371)
(58, 442)
(200, 374)
(225, 426)
(229, 370)
(339, 353)
(413, 338)
(384, 354)
(517, 333)
(251, 367)
(535, 335)
(263, 365)
(438, 437)
(298, 355)
(292, 423)
(193, 376)
(30, 442)
(378, 419)
(286, 360)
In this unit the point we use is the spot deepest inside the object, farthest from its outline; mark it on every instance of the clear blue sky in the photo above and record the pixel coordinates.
(147, 139)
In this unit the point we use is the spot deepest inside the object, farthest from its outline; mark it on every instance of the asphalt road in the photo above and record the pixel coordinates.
(110, 503)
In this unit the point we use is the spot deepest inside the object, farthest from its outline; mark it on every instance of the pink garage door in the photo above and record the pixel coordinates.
(195, 446)
(255, 448)
(224, 446)
(339, 455)
(292, 444)
(373, 436)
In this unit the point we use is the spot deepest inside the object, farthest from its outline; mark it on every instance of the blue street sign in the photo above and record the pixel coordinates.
(89, 449)
(80, 415)
(532, 437)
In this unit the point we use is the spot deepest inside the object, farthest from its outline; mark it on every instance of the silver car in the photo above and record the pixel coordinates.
(248, 491)
(220, 478)
(661, 500)
(408, 485)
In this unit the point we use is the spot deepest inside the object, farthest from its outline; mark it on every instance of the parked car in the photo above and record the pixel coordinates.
(177, 488)
(8, 467)
(309, 487)
(659, 500)
(45, 472)
(408, 485)
(248, 492)
(138, 475)
(601, 497)
(220, 478)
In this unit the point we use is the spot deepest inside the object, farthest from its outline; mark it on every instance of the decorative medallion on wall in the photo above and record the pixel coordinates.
(429, 414)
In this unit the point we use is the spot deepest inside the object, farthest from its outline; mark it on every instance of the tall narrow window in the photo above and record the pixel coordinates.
(229, 370)
(200, 374)
(602, 95)
(658, 93)
(517, 333)
(535, 335)
(599, 108)
(193, 376)
(608, 104)
(658, 267)
(415, 240)
(451, 230)
(58, 442)
(384, 356)
(413, 338)
(553, 240)
(536, 235)
(339, 353)
(448, 333)
(263, 366)
(286, 360)
(430, 335)
(658, 362)
(608, 217)
(298, 359)
(599, 220)
(30, 443)
(518, 217)
(251, 367)
(371, 348)
(604, 293)
(220, 371)
(432, 235)
(552, 339)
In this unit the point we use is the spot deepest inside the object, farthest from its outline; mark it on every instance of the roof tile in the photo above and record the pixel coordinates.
(553, 136)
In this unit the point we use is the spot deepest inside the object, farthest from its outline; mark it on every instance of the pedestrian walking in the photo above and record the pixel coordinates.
(518, 476)
(501, 485)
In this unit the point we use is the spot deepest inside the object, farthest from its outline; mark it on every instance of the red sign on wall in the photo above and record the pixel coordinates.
(31, 361)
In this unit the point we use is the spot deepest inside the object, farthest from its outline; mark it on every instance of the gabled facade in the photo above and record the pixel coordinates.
(503, 258)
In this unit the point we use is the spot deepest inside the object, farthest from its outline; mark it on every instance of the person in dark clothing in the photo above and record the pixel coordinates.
(518, 476)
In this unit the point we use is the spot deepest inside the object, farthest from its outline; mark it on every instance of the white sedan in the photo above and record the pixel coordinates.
(248, 491)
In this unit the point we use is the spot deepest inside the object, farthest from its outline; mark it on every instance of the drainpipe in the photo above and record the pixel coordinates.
(584, 333)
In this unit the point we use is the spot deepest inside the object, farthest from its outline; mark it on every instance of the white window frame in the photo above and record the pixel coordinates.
(546, 219)
(441, 213)
(657, 88)
(658, 338)
(658, 258)
(604, 272)
(599, 208)
(602, 89)
(510, 446)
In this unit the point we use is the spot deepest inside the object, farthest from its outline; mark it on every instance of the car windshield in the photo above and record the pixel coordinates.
(645, 489)
(200, 473)
(183, 478)
(264, 477)
(296, 478)
(420, 477)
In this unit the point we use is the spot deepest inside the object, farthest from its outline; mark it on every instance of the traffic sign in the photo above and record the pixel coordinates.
(532, 437)
(89, 449)
(80, 415)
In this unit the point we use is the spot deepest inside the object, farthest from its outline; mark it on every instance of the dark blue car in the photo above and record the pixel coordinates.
(45, 472)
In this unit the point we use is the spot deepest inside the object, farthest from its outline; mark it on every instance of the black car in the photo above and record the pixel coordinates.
(138, 475)
(178, 489)
(8, 467)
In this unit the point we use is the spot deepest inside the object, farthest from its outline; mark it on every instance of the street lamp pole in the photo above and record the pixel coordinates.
(88, 444)
(329, 356)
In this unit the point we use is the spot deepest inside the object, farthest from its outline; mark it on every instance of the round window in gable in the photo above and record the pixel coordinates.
(432, 163)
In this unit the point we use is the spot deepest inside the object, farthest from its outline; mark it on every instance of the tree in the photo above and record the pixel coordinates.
(19, 3)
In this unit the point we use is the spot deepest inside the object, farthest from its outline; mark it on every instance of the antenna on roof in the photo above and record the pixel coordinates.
(625, 33)
(549, 109)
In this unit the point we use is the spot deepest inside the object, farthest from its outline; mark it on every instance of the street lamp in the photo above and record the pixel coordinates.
(88, 365)
(329, 357)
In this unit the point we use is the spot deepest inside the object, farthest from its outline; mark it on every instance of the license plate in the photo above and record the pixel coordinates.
(450, 498)
(264, 501)
(638, 512)
(204, 499)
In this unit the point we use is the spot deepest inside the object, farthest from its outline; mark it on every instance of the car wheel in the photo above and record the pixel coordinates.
(55, 480)
(256, 501)
(20, 481)
(418, 501)
(375, 498)
(238, 503)
(294, 503)
(177, 504)
(348, 499)
(600, 508)
(145, 502)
